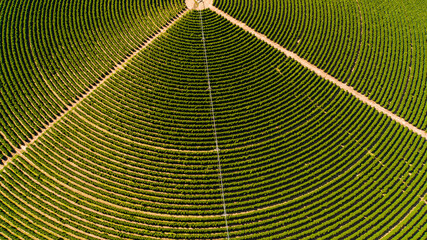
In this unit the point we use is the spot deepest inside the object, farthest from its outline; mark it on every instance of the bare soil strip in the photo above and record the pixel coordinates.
(328, 77)
(113, 71)
(323, 74)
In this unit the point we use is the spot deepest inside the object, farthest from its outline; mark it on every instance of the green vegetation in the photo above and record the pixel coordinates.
(377, 47)
(136, 159)
(315, 161)
(54, 51)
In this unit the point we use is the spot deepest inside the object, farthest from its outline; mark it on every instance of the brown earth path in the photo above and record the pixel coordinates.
(262, 37)
(330, 78)
(118, 67)
(323, 74)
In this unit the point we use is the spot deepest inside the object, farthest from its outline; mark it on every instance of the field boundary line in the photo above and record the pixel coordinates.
(214, 124)
(322, 74)
(113, 71)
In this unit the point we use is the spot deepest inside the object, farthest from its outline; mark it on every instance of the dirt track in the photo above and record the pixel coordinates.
(323, 74)
(113, 71)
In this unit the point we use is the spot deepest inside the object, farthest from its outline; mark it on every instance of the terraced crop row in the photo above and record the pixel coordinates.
(377, 47)
(52, 52)
(136, 159)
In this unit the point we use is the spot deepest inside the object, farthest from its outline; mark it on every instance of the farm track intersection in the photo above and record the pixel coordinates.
(303, 62)
(260, 36)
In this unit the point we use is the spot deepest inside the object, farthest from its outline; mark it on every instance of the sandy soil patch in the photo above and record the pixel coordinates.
(198, 4)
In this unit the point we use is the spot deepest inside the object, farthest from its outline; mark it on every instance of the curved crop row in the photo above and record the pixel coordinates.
(300, 157)
(53, 51)
(377, 47)
(136, 159)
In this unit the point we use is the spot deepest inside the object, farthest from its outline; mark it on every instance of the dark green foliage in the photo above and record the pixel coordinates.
(377, 47)
(136, 160)
(54, 51)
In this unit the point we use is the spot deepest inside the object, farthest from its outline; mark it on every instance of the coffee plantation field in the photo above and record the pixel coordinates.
(272, 119)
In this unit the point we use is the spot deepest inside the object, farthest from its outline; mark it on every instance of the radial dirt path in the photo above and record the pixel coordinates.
(322, 73)
(118, 67)
(330, 78)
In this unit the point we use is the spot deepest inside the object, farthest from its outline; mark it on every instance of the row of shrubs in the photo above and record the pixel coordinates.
(54, 51)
